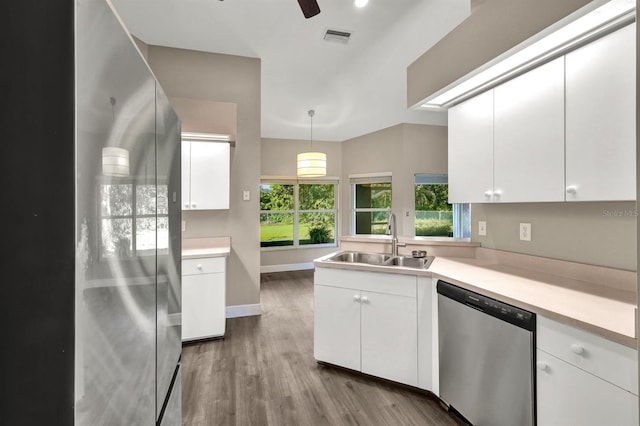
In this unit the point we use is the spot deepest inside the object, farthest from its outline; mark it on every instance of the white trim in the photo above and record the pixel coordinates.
(286, 267)
(296, 178)
(369, 175)
(238, 311)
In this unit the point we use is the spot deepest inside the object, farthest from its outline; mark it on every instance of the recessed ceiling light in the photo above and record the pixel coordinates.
(361, 3)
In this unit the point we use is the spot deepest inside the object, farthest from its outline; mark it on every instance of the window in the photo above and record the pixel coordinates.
(371, 205)
(130, 215)
(435, 217)
(297, 214)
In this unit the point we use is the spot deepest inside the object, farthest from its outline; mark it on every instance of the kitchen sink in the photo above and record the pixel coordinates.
(382, 259)
(410, 262)
(360, 257)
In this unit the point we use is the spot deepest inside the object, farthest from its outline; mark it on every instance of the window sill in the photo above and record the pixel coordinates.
(303, 247)
(422, 241)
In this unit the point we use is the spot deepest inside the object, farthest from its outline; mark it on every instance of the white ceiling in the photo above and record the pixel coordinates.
(355, 88)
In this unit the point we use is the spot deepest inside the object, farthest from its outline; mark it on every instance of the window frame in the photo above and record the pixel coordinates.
(367, 179)
(134, 216)
(297, 211)
(460, 211)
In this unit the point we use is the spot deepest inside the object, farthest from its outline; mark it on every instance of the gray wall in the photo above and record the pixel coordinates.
(596, 233)
(207, 77)
(403, 150)
(278, 158)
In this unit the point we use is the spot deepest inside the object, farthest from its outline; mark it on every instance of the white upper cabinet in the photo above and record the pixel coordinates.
(601, 112)
(205, 175)
(471, 150)
(529, 136)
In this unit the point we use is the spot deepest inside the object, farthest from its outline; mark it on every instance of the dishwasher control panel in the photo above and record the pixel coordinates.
(490, 306)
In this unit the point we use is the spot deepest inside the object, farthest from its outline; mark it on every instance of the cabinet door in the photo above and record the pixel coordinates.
(568, 395)
(471, 150)
(336, 331)
(209, 175)
(203, 306)
(389, 337)
(529, 136)
(186, 175)
(601, 114)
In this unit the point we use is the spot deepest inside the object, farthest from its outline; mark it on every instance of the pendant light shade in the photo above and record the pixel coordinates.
(312, 164)
(115, 162)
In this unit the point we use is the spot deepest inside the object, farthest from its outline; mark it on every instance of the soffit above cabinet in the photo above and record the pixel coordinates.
(493, 28)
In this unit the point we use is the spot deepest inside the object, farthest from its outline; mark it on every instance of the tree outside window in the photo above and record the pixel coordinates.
(434, 216)
(293, 214)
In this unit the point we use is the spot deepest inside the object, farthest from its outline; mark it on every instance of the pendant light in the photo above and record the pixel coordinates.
(115, 161)
(312, 164)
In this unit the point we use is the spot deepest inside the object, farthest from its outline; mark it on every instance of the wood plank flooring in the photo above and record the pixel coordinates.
(264, 373)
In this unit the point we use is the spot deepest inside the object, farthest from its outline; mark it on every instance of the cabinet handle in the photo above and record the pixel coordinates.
(186, 206)
(365, 299)
(497, 194)
(199, 266)
(572, 189)
(193, 205)
(577, 349)
(488, 194)
(356, 298)
(543, 366)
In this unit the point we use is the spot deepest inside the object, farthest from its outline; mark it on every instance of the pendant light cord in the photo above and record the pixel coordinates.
(311, 114)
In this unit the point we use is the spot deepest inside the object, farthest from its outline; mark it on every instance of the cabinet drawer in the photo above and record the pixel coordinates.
(208, 265)
(608, 360)
(377, 282)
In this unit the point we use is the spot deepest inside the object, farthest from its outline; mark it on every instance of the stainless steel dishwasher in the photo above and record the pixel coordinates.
(487, 358)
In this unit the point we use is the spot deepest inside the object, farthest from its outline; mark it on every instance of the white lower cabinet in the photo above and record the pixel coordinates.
(367, 322)
(583, 379)
(203, 298)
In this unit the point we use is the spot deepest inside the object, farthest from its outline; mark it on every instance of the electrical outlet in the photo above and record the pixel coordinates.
(482, 227)
(184, 225)
(246, 195)
(525, 231)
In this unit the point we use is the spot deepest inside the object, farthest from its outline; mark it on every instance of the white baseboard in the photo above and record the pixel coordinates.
(286, 267)
(238, 311)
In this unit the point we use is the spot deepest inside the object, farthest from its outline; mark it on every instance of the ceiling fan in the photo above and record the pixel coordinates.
(309, 8)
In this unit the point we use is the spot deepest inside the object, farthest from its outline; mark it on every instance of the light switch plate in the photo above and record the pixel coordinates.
(184, 225)
(482, 227)
(525, 231)
(246, 195)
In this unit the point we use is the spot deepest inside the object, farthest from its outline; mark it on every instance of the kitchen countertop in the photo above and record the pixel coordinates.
(197, 248)
(608, 311)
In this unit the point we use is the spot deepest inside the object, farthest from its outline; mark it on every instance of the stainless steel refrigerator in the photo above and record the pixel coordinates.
(92, 287)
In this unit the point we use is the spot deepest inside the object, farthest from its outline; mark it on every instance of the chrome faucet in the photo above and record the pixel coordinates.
(393, 231)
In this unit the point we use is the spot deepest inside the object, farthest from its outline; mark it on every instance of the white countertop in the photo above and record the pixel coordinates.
(196, 248)
(603, 310)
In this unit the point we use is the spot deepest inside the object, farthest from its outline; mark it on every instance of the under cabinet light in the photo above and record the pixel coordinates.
(606, 18)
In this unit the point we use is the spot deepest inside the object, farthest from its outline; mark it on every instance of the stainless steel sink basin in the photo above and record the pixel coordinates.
(410, 262)
(360, 257)
(382, 259)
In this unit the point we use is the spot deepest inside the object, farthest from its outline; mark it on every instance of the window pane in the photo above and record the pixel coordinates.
(276, 229)
(116, 237)
(115, 200)
(316, 196)
(162, 242)
(163, 199)
(373, 195)
(146, 235)
(276, 197)
(317, 228)
(145, 199)
(371, 222)
(434, 215)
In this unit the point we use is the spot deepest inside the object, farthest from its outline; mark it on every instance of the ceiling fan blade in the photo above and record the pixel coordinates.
(309, 8)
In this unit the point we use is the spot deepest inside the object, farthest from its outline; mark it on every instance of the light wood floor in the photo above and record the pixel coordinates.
(264, 373)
